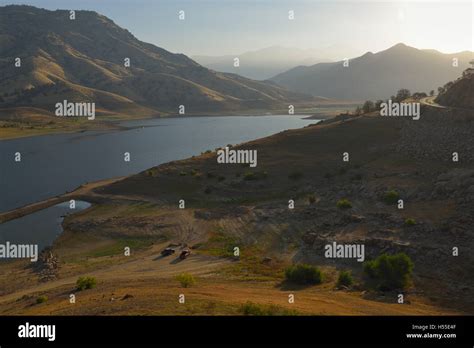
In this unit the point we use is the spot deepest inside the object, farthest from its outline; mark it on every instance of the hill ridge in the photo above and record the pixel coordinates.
(376, 75)
(90, 51)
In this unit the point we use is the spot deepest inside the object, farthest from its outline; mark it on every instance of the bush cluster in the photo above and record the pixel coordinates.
(303, 274)
(389, 272)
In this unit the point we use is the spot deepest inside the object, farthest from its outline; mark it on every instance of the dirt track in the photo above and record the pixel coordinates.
(150, 265)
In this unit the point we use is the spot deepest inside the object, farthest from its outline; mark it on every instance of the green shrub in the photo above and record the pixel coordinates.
(250, 308)
(255, 175)
(41, 299)
(84, 283)
(344, 204)
(370, 269)
(390, 272)
(250, 176)
(220, 244)
(303, 274)
(344, 279)
(391, 197)
(182, 173)
(186, 280)
(312, 199)
(410, 222)
(295, 175)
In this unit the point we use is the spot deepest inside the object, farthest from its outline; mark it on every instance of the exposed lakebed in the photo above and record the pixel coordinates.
(41, 227)
(54, 164)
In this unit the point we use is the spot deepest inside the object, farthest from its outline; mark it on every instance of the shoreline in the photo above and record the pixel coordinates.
(83, 193)
(11, 133)
(73, 251)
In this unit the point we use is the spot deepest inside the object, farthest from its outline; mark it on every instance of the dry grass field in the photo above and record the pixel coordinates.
(234, 205)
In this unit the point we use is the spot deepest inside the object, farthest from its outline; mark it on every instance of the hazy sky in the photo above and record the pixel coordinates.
(218, 27)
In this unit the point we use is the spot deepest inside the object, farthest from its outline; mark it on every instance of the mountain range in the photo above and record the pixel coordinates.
(377, 75)
(264, 63)
(84, 59)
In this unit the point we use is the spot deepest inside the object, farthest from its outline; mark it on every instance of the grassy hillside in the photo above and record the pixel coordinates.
(234, 205)
(460, 93)
(83, 60)
(410, 158)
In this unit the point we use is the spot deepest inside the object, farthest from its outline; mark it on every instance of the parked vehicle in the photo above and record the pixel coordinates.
(184, 254)
(167, 252)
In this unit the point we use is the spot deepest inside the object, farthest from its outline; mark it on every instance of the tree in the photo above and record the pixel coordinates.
(448, 85)
(402, 94)
(419, 95)
(368, 106)
(440, 90)
(432, 93)
(377, 104)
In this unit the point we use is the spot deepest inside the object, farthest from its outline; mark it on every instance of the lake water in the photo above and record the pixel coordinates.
(53, 164)
(41, 227)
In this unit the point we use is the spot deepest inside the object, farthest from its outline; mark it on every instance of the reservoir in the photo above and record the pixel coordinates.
(53, 164)
(41, 227)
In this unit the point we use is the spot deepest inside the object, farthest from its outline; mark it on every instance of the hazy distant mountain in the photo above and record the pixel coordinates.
(378, 75)
(83, 60)
(263, 64)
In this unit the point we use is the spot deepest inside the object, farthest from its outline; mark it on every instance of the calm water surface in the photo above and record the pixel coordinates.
(53, 164)
(41, 227)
